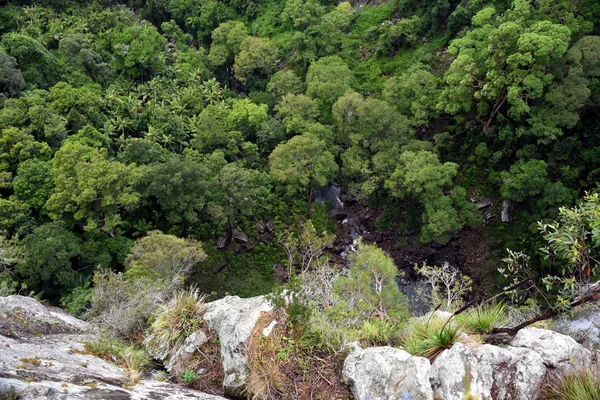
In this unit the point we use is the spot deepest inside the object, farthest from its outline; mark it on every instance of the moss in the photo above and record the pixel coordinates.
(32, 361)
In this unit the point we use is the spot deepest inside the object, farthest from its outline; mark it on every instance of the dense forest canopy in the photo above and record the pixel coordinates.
(202, 119)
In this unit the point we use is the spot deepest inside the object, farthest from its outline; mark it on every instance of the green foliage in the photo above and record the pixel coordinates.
(188, 376)
(571, 385)
(49, 258)
(372, 282)
(256, 56)
(328, 78)
(89, 188)
(484, 318)
(137, 49)
(525, 180)
(11, 78)
(197, 117)
(421, 174)
(78, 300)
(571, 243)
(429, 336)
(227, 39)
(176, 320)
(33, 184)
(301, 164)
(164, 257)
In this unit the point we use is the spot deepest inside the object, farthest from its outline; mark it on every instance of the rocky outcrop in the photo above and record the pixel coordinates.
(387, 373)
(22, 317)
(557, 351)
(43, 356)
(234, 319)
(493, 372)
(144, 390)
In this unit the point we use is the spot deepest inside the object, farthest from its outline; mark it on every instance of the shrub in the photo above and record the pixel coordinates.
(574, 385)
(181, 317)
(122, 306)
(447, 286)
(484, 318)
(366, 305)
(429, 337)
(188, 376)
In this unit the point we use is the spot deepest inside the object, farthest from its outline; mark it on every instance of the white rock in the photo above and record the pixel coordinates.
(50, 390)
(556, 350)
(494, 372)
(387, 373)
(234, 319)
(267, 331)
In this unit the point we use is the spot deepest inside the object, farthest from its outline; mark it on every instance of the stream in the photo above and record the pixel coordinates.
(350, 229)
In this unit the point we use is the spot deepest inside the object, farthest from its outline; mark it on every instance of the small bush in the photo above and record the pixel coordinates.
(429, 337)
(136, 362)
(122, 306)
(181, 317)
(574, 385)
(106, 348)
(484, 318)
(188, 376)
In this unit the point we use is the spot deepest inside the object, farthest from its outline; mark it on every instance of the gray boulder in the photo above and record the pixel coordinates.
(387, 373)
(43, 356)
(556, 350)
(234, 319)
(493, 372)
(144, 390)
(22, 317)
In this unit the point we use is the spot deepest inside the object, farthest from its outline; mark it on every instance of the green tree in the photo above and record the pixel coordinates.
(49, 258)
(33, 184)
(181, 187)
(17, 146)
(421, 176)
(285, 82)
(297, 112)
(299, 14)
(328, 78)
(256, 56)
(526, 179)
(371, 284)
(91, 189)
(11, 78)
(40, 68)
(138, 51)
(507, 80)
(301, 164)
(241, 192)
(164, 257)
(372, 131)
(227, 39)
(414, 94)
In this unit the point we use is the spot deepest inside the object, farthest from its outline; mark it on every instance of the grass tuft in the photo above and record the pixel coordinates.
(484, 318)
(429, 337)
(181, 317)
(574, 385)
(136, 362)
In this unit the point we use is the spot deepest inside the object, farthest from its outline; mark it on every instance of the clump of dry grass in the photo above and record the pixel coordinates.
(288, 364)
(581, 384)
(177, 320)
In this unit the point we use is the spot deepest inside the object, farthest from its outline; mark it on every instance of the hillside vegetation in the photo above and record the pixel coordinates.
(146, 146)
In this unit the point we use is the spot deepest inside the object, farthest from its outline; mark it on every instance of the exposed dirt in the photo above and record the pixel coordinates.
(469, 250)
